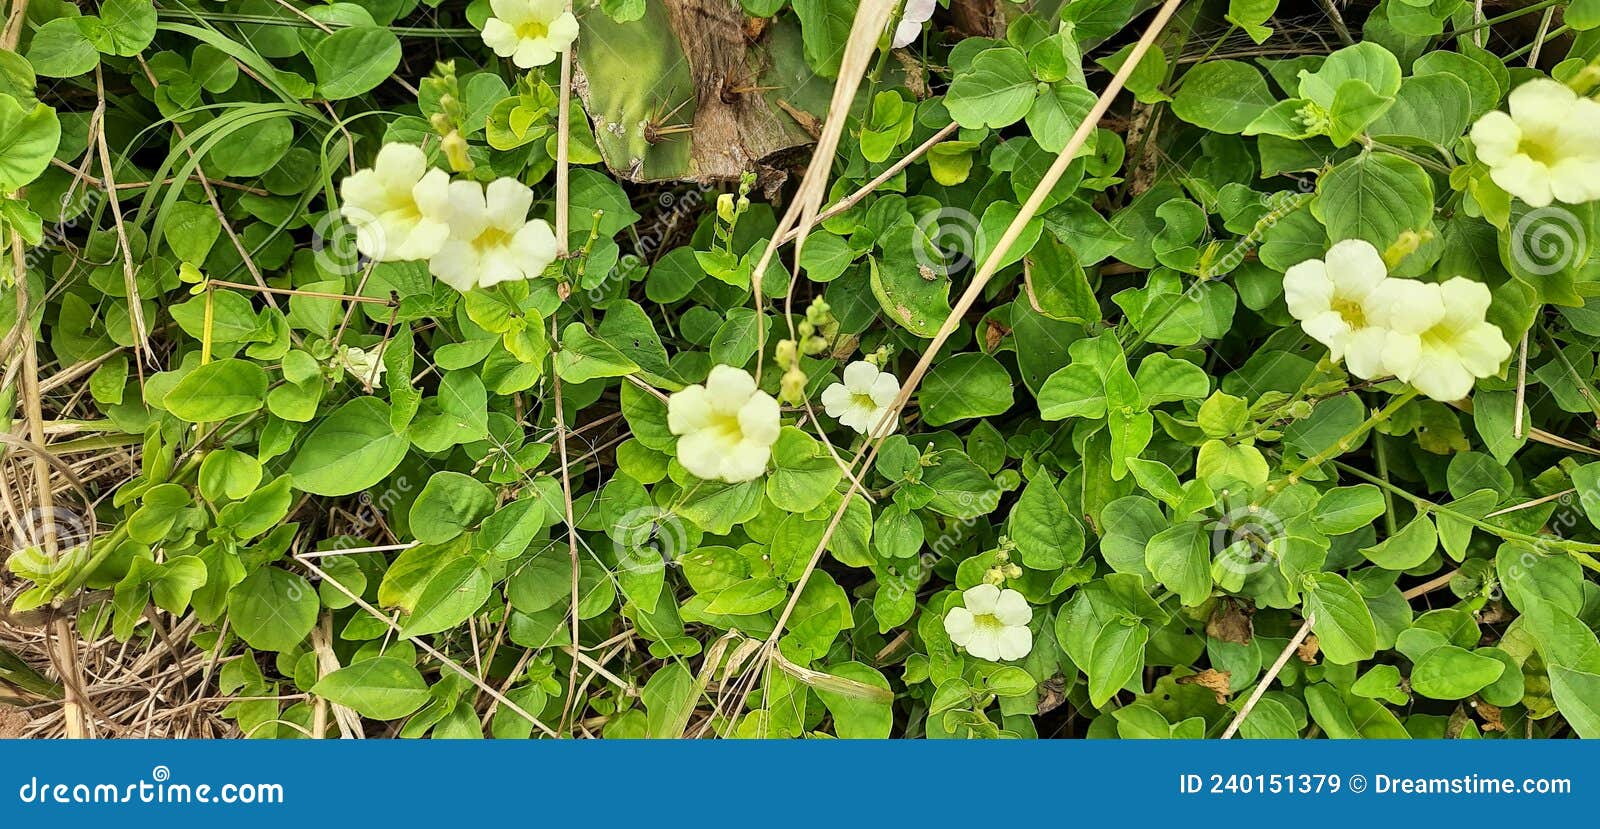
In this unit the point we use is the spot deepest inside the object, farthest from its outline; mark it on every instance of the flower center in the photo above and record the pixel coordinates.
(533, 30)
(1350, 311)
(727, 427)
(492, 237)
(1539, 148)
(864, 400)
(987, 623)
(1440, 337)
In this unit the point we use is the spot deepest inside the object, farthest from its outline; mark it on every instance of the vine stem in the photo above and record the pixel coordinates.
(1345, 443)
(1494, 21)
(1582, 552)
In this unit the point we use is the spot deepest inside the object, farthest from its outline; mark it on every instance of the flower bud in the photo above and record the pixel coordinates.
(725, 209)
(455, 151)
(784, 353)
(792, 389)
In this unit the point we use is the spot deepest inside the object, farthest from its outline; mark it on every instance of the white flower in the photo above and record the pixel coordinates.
(399, 206)
(917, 12)
(1337, 303)
(363, 365)
(492, 240)
(1548, 147)
(862, 401)
(530, 32)
(725, 428)
(993, 625)
(1440, 342)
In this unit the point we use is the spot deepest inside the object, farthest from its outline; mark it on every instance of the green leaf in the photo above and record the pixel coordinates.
(272, 609)
(856, 715)
(452, 594)
(175, 586)
(1048, 536)
(1117, 656)
(584, 357)
(28, 139)
(450, 503)
(61, 49)
(1057, 113)
(1432, 109)
(961, 489)
(1368, 62)
(129, 26)
(1180, 558)
(1162, 378)
(352, 450)
(380, 688)
(669, 698)
(1577, 694)
(1343, 623)
(1347, 509)
(1375, 196)
(965, 386)
(217, 391)
(1251, 16)
(1408, 548)
(997, 91)
(354, 60)
(803, 472)
(1451, 672)
(228, 474)
(1222, 96)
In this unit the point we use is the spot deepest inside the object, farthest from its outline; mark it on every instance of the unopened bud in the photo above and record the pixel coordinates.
(1404, 246)
(784, 353)
(1585, 80)
(792, 389)
(455, 151)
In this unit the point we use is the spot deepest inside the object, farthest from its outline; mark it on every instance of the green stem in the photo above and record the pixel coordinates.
(1525, 49)
(1347, 442)
(1579, 550)
(1495, 21)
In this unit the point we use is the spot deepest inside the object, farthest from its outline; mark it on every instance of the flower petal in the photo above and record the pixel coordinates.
(758, 419)
(859, 376)
(688, 410)
(981, 598)
(1355, 267)
(1495, 137)
(959, 624)
(1307, 290)
(1015, 642)
(1012, 609)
